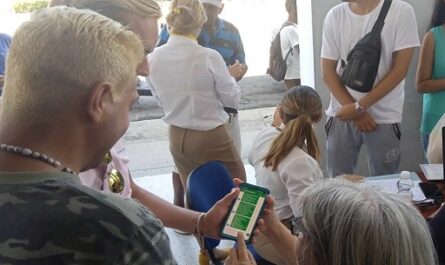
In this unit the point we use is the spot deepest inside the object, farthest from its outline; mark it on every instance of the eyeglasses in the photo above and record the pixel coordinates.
(298, 227)
(115, 180)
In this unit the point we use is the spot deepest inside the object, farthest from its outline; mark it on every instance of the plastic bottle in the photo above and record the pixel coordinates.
(405, 185)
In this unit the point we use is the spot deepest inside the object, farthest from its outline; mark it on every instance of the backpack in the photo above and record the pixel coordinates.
(277, 65)
(363, 60)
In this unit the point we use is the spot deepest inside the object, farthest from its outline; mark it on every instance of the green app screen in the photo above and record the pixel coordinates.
(246, 208)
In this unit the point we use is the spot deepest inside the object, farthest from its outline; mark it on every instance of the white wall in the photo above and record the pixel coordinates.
(411, 148)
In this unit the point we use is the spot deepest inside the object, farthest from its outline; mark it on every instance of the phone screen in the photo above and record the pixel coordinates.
(245, 212)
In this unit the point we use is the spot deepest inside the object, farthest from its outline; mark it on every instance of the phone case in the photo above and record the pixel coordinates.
(249, 240)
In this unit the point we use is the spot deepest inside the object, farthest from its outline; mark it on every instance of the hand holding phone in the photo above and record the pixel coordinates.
(245, 212)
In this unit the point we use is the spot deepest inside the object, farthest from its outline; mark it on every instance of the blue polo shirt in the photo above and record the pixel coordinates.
(226, 41)
(5, 42)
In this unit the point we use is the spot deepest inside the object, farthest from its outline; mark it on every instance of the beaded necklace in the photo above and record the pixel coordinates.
(26, 152)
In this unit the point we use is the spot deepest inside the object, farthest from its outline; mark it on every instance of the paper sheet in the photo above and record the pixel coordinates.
(390, 185)
(432, 171)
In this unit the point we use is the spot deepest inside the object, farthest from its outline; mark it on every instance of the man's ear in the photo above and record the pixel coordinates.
(100, 97)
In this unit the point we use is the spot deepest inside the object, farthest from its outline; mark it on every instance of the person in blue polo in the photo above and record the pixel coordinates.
(224, 37)
(5, 42)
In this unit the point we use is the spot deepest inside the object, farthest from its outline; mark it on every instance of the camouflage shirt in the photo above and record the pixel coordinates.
(51, 218)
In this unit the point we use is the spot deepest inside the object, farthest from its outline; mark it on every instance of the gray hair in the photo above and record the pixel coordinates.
(351, 223)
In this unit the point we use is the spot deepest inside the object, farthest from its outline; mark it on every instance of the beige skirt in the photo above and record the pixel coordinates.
(192, 148)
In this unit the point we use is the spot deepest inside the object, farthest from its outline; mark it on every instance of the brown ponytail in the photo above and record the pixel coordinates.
(301, 107)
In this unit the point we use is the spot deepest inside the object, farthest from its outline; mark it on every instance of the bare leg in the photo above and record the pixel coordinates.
(178, 190)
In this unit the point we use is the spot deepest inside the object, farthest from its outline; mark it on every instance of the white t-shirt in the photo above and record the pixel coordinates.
(192, 84)
(342, 29)
(289, 40)
(294, 173)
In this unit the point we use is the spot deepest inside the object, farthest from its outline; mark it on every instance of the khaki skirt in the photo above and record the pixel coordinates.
(192, 148)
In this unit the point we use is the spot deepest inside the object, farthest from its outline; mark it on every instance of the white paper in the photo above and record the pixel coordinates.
(390, 185)
(432, 171)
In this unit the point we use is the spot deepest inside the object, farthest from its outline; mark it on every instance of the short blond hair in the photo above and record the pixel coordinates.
(186, 16)
(59, 56)
(109, 8)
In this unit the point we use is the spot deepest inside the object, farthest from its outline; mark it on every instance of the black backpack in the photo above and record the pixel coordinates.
(363, 60)
(277, 65)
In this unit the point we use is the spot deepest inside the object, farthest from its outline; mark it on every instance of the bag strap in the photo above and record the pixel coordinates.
(285, 24)
(378, 25)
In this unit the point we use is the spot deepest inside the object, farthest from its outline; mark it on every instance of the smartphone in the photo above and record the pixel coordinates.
(245, 212)
(431, 191)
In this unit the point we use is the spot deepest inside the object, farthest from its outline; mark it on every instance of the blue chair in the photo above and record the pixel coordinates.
(206, 185)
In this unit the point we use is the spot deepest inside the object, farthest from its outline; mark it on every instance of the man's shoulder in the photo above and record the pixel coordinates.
(338, 10)
(129, 209)
(84, 224)
(401, 4)
(229, 26)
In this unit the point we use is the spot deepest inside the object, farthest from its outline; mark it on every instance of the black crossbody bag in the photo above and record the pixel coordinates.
(362, 64)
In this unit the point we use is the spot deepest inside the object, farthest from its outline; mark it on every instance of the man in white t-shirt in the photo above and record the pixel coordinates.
(289, 42)
(371, 118)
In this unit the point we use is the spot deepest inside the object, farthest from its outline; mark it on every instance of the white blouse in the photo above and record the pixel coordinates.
(192, 84)
(294, 173)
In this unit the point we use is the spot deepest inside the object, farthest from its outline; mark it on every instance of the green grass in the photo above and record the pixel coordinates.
(26, 6)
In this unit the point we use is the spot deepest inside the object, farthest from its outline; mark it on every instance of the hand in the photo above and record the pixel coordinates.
(237, 70)
(269, 220)
(269, 224)
(240, 255)
(277, 120)
(365, 123)
(347, 112)
(211, 222)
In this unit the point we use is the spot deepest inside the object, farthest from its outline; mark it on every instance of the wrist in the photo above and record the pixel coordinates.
(359, 108)
(200, 225)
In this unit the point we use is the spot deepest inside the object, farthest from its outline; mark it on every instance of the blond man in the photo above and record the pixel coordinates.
(70, 82)
(141, 17)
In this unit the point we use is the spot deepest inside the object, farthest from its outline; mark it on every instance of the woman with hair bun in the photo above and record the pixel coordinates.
(193, 85)
(285, 157)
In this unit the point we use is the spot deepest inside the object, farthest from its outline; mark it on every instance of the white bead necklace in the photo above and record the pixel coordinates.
(36, 155)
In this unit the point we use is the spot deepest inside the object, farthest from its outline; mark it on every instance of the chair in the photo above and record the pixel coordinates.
(206, 185)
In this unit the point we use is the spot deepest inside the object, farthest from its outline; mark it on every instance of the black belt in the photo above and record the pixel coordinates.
(230, 110)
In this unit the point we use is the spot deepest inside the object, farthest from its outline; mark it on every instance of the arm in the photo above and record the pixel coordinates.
(424, 81)
(398, 71)
(239, 57)
(184, 219)
(333, 82)
(434, 150)
(297, 174)
(225, 85)
(277, 234)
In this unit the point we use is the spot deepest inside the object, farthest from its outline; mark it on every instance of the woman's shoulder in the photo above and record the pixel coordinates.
(298, 159)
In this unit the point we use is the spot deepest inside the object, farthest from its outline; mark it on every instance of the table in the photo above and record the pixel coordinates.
(388, 183)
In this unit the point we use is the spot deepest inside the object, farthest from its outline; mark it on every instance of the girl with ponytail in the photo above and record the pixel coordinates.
(285, 157)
